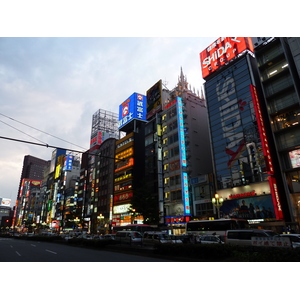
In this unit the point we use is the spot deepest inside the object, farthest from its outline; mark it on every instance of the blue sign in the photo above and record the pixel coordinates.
(68, 163)
(181, 132)
(135, 107)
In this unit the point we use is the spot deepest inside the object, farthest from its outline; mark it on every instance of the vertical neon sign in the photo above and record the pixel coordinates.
(182, 149)
(181, 132)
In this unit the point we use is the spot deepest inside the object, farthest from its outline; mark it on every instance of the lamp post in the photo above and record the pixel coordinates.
(217, 202)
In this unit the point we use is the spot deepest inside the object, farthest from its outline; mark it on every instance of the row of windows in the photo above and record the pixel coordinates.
(173, 180)
(171, 152)
(174, 195)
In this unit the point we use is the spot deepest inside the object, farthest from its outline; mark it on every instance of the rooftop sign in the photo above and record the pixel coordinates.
(222, 51)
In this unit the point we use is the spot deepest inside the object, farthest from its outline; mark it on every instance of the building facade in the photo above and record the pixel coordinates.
(246, 165)
(279, 69)
(177, 150)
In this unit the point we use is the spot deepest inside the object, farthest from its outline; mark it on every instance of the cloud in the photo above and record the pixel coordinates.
(57, 84)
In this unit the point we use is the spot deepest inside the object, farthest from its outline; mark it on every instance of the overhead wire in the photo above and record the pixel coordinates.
(37, 130)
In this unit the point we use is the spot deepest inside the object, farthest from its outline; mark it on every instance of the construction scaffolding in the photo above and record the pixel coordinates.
(104, 125)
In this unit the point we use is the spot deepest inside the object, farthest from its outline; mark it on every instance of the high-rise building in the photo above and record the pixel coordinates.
(177, 149)
(95, 187)
(246, 165)
(279, 68)
(31, 177)
(129, 159)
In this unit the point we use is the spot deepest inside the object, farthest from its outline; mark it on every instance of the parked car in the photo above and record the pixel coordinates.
(243, 237)
(154, 237)
(176, 239)
(110, 236)
(211, 239)
(129, 236)
(294, 238)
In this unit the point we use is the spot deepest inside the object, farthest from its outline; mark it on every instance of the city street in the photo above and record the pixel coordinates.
(13, 250)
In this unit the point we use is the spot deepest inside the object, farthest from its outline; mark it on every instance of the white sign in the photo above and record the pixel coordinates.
(5, 201)
(120, 209)
(284, 242)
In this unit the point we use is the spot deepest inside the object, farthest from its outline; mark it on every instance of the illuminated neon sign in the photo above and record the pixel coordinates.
(185, 193)
(133, 108)
(181, 132)
(182, 148)
(222, 51)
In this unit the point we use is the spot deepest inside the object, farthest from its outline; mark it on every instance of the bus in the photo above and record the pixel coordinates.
(134, 227)
(218, 227)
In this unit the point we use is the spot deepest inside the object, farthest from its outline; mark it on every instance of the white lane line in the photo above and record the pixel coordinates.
(51, 251)
(18, 253)
(33, 245)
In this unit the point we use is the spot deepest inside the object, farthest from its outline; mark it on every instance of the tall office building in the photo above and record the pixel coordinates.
(279, 68)
(129, 159)
(31, 178)
(177, 150)
(247, 168)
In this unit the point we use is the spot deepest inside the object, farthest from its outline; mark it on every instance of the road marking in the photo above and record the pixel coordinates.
(18, 253)
(51, 251)
(33, 245)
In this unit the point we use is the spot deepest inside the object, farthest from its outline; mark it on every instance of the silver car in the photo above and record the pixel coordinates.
(211, 239)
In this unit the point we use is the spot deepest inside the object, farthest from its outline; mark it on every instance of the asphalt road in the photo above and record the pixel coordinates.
(14, 250)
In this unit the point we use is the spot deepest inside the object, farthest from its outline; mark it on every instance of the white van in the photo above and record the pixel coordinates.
(128, 237)
(243, 237)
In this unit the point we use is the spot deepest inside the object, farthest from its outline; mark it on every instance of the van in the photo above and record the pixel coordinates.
(129, 237)
(243, 237)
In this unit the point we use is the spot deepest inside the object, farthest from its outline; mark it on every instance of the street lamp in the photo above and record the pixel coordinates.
(217, 202)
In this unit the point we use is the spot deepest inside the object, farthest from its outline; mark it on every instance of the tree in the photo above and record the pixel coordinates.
(145, 203)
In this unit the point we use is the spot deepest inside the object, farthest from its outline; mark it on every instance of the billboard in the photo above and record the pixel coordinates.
(68, 162)
(295, 158)
(5, 202)
(249, 208)
(261, 129)
(133, 108)
(222, 51)
(99, 137)
(154, 99)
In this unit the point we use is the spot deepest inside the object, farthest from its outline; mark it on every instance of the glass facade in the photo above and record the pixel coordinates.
(236, 145)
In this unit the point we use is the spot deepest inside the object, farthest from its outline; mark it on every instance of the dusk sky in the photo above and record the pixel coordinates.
(57, 84)
(57, 69)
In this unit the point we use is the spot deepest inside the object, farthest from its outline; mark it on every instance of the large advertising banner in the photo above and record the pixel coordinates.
(154, 99)
(266, 152)
(222, 51)
(133, 108)
(249, 208)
